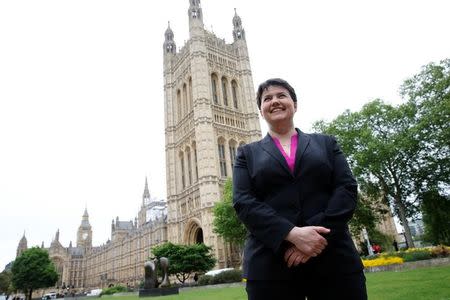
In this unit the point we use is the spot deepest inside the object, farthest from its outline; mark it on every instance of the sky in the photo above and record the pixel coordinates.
(82, 101)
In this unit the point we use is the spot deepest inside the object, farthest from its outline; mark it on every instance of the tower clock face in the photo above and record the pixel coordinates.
(84, 236)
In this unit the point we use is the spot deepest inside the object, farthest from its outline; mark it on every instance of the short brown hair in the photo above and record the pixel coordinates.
(274, 82)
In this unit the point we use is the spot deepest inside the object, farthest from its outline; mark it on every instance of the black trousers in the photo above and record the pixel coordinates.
(343, 286)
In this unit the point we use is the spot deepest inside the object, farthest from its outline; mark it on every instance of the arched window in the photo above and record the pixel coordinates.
(234, 93)
(222, 160)
(183, 180)
(224, 91)
(189, 165)
(191, 98)
(232, 147)
(194, 148)
(185, 100)
(215, 97)
(179, 115)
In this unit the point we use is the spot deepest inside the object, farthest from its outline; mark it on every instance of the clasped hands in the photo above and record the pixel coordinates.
(306, 242)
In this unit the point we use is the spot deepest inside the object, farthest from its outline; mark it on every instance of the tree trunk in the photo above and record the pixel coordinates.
(30, 293)
(405, 223)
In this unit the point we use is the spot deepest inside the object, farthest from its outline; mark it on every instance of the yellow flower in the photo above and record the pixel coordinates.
(382, 261)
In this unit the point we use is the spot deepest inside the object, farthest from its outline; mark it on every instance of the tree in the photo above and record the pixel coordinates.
(400, 153)
(32, 270)
(185, 259)
(436, 217)
(382, 152)
(367, 213)
(429, 93)
(6, 282)
(226, 223)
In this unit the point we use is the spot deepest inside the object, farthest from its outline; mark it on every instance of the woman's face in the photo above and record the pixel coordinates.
(277, 105)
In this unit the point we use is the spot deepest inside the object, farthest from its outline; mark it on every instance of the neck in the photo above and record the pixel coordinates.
(282, 133)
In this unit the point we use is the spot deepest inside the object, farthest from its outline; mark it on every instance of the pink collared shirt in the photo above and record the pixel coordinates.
(290, 159)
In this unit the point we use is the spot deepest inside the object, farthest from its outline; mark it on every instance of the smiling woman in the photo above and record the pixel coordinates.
(295, 193)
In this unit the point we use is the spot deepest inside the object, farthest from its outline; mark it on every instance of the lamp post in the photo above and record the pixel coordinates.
(366, 237)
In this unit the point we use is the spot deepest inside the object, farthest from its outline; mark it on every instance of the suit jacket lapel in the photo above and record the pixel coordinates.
(269, 146)
(302, 144)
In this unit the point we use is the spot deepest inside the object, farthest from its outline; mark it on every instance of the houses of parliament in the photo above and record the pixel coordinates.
(209, 111)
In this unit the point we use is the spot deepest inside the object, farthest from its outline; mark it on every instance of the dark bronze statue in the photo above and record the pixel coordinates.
(151, 277)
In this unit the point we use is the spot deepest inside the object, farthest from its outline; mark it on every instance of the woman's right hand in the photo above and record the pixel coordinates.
(308, 239)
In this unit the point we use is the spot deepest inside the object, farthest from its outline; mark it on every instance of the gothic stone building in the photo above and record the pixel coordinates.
(119, 260)
(209, 111)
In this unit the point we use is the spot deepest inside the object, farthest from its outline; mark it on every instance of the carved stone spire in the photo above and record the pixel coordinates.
(146, 195)
(238, 30)
(169, 43)
(195, 15)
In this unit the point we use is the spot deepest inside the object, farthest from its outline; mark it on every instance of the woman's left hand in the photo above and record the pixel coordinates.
(293, 257)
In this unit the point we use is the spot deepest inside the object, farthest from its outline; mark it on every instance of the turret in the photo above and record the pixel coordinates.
(195, 16)
(238, 30)
(23, 245)
(169, 43)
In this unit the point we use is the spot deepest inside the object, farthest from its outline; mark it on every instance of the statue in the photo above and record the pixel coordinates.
(151, 285)
(151, 280)
(164, 262)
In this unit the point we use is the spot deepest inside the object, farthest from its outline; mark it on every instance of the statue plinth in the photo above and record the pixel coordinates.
(155, 292)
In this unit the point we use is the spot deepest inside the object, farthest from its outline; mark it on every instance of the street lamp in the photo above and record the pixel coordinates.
(366, 237)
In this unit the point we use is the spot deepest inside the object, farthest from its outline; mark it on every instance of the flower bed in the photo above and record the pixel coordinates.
(399, 257)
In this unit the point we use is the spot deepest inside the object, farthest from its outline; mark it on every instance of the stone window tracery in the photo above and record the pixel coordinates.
(222, 159)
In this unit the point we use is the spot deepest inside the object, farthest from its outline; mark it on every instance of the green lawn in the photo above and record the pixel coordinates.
(421, 284)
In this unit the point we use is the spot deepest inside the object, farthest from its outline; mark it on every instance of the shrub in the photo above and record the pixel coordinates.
(204, 280)
(440, 251)
(227, 277)
(415, 254)
(113, 290)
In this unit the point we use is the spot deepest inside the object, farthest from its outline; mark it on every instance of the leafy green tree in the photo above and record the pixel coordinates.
(367, 213)
(382, 153)
(6, 282)
(32, 270)
(226, 223)
(436, 218)
(185, 259)
(428, 92)
(400, 153)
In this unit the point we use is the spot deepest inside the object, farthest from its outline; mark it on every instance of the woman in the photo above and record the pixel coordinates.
(295, 193)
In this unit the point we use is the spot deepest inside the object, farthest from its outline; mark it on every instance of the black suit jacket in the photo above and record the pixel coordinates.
(270, 200)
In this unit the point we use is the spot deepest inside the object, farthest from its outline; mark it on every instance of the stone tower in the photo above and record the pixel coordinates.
(23, 245)
(210, 110)
(84, 234)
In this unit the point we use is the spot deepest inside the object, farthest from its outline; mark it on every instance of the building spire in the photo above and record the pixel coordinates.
(23, 245)
(146, 195)
(85, 219)
(195, 14)
(169, 43)
(238, 30)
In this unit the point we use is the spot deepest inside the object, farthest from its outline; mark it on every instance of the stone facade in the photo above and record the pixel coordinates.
(210, 110)
(119, 261)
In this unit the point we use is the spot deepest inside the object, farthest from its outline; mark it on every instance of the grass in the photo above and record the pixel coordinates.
(423, 283)
(420, 284)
